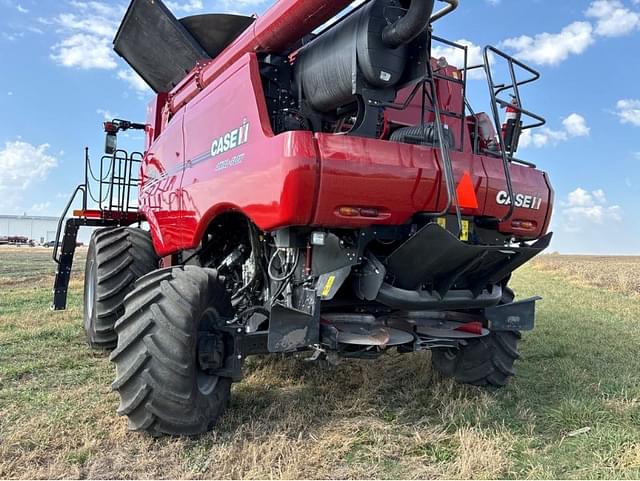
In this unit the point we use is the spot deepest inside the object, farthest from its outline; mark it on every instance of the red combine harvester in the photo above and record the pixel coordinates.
(312, 180)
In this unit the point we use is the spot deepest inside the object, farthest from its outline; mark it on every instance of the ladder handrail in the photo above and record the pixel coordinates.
(452, 196)
(62, 218)
(122, 183)
(494, 90)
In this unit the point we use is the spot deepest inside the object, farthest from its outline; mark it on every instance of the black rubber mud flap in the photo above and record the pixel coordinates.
(291, 329)
(515, 316)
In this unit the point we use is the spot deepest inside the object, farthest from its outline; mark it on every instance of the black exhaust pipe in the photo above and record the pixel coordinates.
(412, 24)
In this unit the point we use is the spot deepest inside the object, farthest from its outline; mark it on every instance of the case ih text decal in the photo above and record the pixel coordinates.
(226, 142)
(522, 200)
(230, 140)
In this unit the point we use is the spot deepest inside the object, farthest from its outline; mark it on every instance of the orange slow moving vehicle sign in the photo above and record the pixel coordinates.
(466, 193)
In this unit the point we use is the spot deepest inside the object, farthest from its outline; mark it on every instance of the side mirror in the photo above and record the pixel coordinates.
(111, 143)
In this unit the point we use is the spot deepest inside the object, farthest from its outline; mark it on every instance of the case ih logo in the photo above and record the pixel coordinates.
(522, 200)
(232, 139)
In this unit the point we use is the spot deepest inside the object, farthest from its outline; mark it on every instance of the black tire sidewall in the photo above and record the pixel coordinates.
(445, 361)
(205, 401)
(90, 291)
(157, 365)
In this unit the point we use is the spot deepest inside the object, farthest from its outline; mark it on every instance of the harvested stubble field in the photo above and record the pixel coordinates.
(390, 418)
(619, 273)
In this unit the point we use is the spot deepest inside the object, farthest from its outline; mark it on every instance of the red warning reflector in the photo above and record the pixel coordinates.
(87, 213)
(466, 193)
(473, 327)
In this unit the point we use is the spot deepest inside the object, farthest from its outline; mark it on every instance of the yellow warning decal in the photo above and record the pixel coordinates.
(328, 286)
(464, 233)
(442, 222)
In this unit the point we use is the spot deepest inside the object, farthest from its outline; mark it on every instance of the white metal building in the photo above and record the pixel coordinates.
(40, 229)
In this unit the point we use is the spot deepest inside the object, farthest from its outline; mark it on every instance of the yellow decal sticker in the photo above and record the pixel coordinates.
(328, 286)
(464, 233)
(442, 222)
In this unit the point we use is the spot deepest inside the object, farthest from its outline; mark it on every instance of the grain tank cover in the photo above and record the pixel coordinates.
(215, 31)
(156, 45)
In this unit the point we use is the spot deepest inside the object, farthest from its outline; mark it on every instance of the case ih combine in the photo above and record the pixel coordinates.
(308, 185)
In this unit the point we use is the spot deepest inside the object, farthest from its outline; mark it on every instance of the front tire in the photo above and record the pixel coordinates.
(117, 256)
(162, 387)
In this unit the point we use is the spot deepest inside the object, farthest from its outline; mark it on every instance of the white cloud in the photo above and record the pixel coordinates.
(22, 165)
(106, 114)
(89, 32)
(105, 10)
(134, 80)
(613, 19)
(628, 111)
(255, 3)
(455, 56)
(574, 125)
(85, 52)
(40, 208)
(582, 209)
(12, 37)
(541, 137)
(90, 29)
(188, 7)
(552, 48)
(92, 24)
(21, 9)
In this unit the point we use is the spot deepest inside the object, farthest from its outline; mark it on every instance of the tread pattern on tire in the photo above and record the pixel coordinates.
(122, 255)
(486, 361)
(156, 353)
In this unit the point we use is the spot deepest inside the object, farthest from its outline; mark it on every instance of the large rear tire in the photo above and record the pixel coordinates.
(162, 386)
(117, 256)
(485, 361)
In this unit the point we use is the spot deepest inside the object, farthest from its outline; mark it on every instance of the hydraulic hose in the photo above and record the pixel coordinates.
(412, 24)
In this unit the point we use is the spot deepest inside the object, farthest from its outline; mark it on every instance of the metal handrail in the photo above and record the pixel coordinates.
(56, 245)
(117, 188)
(452, 196)
(494, 90)
(453, 4)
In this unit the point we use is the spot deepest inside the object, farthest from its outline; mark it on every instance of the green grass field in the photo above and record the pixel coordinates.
(390, 418)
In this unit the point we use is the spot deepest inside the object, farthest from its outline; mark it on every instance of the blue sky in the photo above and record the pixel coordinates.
(60, 80)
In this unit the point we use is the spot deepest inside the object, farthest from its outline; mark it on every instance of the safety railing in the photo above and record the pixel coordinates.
(118, 181)
(512, 85)
(116, 184)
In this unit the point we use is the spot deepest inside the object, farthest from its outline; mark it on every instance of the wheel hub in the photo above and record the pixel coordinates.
(210, 352)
